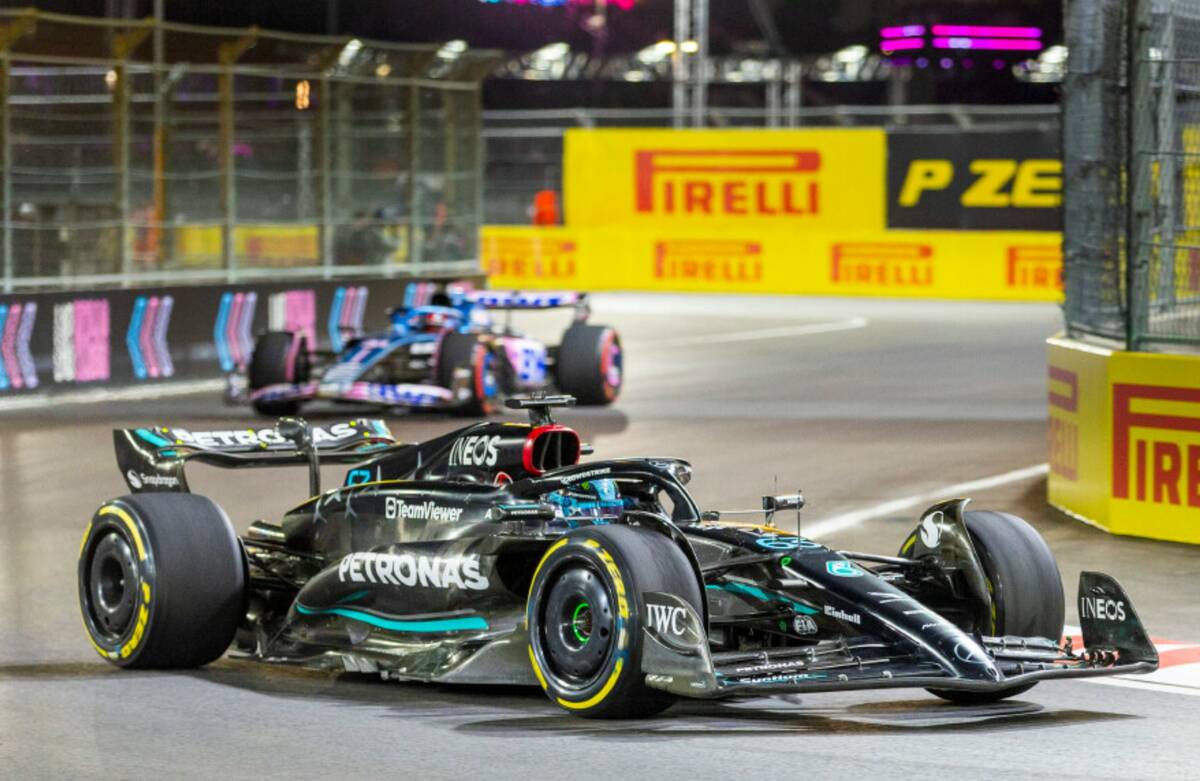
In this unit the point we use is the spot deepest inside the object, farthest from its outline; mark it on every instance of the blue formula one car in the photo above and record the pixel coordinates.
(452, 355)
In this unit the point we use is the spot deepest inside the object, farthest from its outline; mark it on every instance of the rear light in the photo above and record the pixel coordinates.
(550, 447)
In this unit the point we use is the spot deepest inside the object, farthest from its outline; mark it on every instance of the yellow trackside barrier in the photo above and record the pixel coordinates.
(1002, 265)
(778, 211)
(1125, 439)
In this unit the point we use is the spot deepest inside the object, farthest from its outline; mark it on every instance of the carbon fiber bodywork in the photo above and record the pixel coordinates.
(420, 565)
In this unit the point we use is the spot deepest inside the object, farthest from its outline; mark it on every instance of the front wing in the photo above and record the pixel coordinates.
(1115, 643)
(380, 393)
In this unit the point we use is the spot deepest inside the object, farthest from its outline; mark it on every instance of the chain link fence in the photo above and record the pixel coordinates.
(140, 153)
(1131, 174)
(525, 148)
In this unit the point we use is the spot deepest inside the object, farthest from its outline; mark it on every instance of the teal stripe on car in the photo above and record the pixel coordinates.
(758, 593)
(152, 438)
(465, 623)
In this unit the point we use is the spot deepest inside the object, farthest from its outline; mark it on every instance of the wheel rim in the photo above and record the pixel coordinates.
(577, 626)
(611, 367)
(111, 587)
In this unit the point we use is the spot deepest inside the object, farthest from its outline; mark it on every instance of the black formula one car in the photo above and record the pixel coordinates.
(490, 555)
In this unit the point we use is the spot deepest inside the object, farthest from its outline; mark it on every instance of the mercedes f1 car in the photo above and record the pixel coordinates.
(452, 355)
(491, 555)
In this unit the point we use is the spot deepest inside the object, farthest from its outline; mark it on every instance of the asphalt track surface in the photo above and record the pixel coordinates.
(858, 402)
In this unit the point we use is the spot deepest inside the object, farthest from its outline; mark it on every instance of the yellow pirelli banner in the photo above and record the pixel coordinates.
(719, 180)
(1000, 265)
(757, 211)
(1124, 439)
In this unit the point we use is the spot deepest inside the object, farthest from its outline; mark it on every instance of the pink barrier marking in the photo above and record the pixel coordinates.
(231, 329)
(8, 347)
(301, 314)
(91, 340)
(146, 337)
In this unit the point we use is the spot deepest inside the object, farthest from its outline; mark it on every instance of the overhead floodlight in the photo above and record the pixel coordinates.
(851, 54)
(550, 54)
(452, 50)
(349, 52)
(383, 70)
(689, 47)
(658, 52)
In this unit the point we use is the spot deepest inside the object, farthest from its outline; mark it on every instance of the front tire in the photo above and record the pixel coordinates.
(162, 581)
(1026, 588)
(585, 618)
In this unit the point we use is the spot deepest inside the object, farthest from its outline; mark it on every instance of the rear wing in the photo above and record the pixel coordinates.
(525, 299)
(152, 459)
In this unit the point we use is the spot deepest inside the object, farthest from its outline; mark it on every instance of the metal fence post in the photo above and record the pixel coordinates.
(1168, 163)
(415, 232)
(1141, 149)
(121, 169)
(6, 170)
(227, 55)
(326, 227)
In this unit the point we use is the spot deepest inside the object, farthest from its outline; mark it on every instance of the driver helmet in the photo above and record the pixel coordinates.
(596, 499)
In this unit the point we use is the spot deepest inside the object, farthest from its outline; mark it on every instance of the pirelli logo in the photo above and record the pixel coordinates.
(1035, 266)
(529, 256)
(710, 260)
(1156, 444)
(881, 264)
(730, 182)
(1063, 429)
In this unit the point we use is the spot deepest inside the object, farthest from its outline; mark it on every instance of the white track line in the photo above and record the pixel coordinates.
(844, 521)
(104, 395)
(781, 332)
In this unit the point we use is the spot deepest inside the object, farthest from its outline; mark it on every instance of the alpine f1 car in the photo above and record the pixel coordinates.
(490, 555)
(453, 355)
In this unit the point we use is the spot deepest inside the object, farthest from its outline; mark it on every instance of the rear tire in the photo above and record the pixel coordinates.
(1027, 592)
(162, 581)
(585, 618)
(590, 364)
(280, 357)
(466, 351)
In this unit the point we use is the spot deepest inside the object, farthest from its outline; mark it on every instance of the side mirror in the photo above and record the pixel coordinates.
(296, 431)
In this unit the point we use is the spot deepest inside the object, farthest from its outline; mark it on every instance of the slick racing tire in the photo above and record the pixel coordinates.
(162, 581)
(1027, 593)
(590, 364)
(586, 614)
(279, 357)
(466, 351)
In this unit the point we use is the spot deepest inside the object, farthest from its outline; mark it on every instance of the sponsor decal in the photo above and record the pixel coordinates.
(974, 181)
(878, 263)
(970, 653)
(396, 509)
(1165, 470)
(666, 619)
(475, 451)
(804, 625)
(843, 569)
(543, 257)
(140, 480)
(788, 678)
(709, 260)
(358, 476)
(263, 437)
(727, 182)
(931, 533)
(1101, 608)
(588, 475)
(1063, 433)
(409, 569)
(1037, 266)
(295, 311)
(841, 615)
